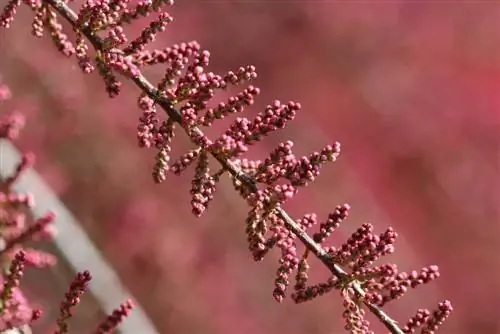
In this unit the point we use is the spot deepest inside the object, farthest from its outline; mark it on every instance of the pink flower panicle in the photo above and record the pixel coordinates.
(14, 308)
(429, 322)
(7, 15)
(21, 236)
(184, 93)
(72, 298)
(39, 259)
(114, 319)
(12, 280)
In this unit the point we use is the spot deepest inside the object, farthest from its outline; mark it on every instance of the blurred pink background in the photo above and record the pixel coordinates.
(409, 88)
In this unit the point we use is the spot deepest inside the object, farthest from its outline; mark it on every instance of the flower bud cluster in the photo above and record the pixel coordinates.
(115, 318)
(184, 93)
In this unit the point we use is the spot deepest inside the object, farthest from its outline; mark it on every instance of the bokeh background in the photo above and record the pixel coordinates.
(409, 88)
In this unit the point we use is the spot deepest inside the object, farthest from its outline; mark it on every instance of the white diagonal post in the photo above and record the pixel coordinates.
(74, 244)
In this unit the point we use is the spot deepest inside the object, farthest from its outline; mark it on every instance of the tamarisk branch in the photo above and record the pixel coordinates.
(183, 104)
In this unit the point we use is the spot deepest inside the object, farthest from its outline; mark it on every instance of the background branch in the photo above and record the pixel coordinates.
(74, 244)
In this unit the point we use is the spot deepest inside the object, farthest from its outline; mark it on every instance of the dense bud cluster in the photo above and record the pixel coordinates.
(183, 93)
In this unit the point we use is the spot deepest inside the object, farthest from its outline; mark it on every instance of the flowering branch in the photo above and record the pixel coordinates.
(183, 98)
(65, 11)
